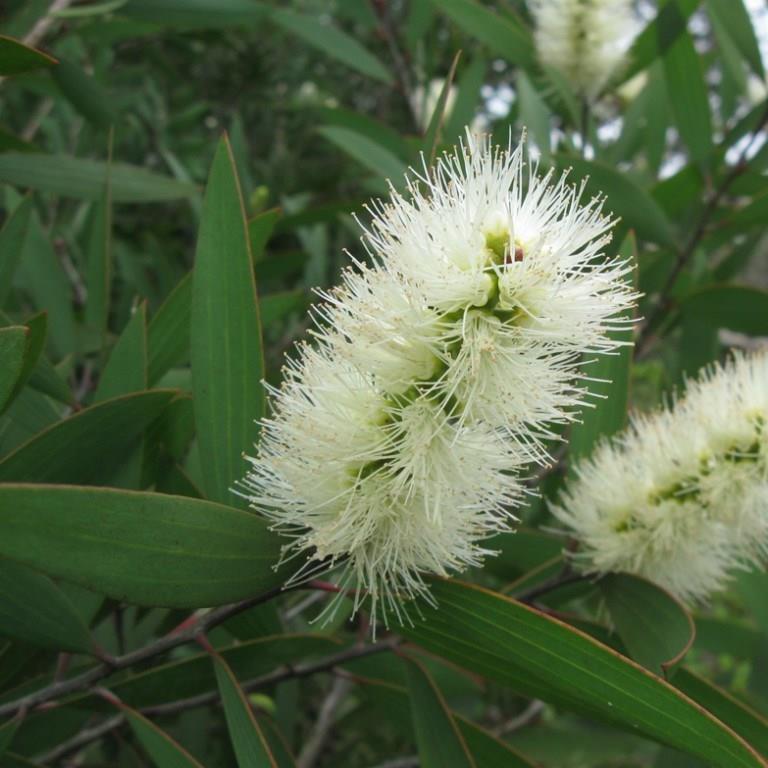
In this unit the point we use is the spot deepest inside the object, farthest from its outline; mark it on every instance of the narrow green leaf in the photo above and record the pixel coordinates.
(432, 135)
(735, 307)
(378, 132)
(260, 229)
(624, 198)
(541, 657)
(164, 751)
(84, 94)
(734, 17)
(369, 154)
(126, 369)
(332, 42)
(659, 34)
(13, 345)
(654, 626)
(145, 548)
(168, 332)
(204, 14)
(440, 742)
(467, 100)
(750, 725)
(16, 57)
(82, 178)
(610, 375)
(99, 256)
(731, 636)
(13, 237)
(7, 732)
(688, 99)
(49, 456)
(44, 377)
(251, 748)
(503, 35)
(35, 332)
(34, 609)
(226, 346)
(47, 282)
(534, 113)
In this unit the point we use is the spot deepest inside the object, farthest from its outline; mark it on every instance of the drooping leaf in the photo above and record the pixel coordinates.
(626, 199)
(251, 747)
(654, 627)
(82, 178)
(502, 34)
(440, 741)
(145, 548)
(104, 434)
(369, 154)
(34, 609)
(541, 657)
(332, 42)
(16, 57)
(226, 344)
(738, 308)
(211, 14)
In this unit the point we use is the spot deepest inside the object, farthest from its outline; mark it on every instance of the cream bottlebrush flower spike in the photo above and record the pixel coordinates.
(682, 497)
(395, 443)
(586, 40)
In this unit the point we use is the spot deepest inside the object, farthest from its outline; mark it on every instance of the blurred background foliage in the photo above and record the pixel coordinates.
(104, 151)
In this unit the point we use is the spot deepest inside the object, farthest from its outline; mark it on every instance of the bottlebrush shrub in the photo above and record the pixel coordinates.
(682, 497)
(395, 442)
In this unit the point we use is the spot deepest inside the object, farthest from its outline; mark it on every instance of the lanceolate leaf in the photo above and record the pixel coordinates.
(16, 57)
(367, 152)
(538, 656)
(440, 742)
(104, 435)
(226, 344)
(146, 548)
(13, 237)
(251, 748)
(333, 42)
(503, 35)
(626, 199)
(13, 344)
(738, 308)
(126, 368)
(746, 722)
(82, 178)
(164, 751)
(34, 609)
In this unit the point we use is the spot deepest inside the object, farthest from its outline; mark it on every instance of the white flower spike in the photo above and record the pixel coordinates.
(586, 40)
(396, 441)
(693, 504)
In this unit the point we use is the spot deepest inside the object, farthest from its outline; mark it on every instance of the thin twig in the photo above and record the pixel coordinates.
(314, 744)
(44, 23)
(94, 733)
(399, 63)
(562, 579)
(686, 254)
(113, 664)
(81, 739)
(526, 717)
(285, 672)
